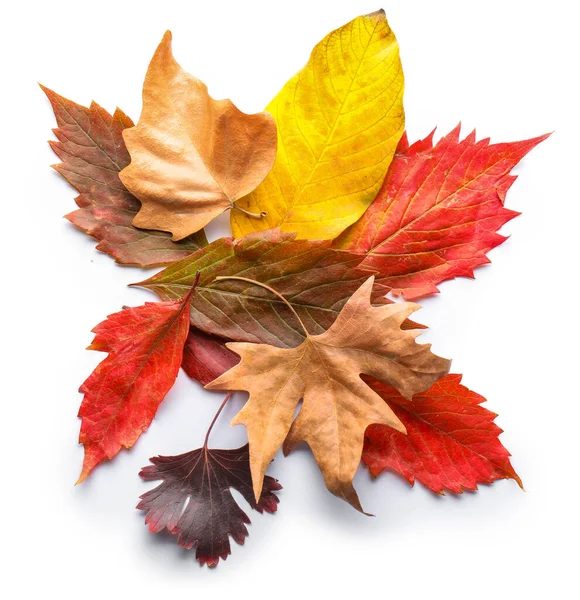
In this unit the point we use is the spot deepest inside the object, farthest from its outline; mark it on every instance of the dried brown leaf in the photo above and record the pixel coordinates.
(324, 371)
(192, 156)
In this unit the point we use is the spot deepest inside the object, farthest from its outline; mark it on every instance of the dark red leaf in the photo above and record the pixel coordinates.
(195, 503)
(206, 357)
(451, 443)
(438, 212)
(93, 152)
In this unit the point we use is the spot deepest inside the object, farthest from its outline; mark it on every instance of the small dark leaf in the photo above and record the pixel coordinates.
(194, 501)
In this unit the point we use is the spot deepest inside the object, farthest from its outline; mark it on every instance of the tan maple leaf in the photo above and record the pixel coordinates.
(192, 156)
(324, 371)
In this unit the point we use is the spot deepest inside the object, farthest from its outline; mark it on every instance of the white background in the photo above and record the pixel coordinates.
(509, 67)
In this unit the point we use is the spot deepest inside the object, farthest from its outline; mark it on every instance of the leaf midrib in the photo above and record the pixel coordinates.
(237, 294)
(437, 203)
(163, 334)
(446, 434)
(339, 113)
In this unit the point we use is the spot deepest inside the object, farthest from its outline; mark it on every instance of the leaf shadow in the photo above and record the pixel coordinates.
(162, 546)
(397, 505)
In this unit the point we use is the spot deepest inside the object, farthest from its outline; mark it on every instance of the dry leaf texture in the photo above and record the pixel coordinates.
(451, 443)
(438, 212)
(122, 395)
(339, 121)
(195, 502)
(92, 150)
(192, 156)
(324, 371)
(315, 280)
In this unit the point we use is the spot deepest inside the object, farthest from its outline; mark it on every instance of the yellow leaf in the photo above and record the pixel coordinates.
(339, 121)
(192, 156)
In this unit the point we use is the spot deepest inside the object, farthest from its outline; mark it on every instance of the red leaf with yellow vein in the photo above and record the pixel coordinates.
(451, 443)
(438, 212)
(145, 346)
(206, 357)
(92, 150)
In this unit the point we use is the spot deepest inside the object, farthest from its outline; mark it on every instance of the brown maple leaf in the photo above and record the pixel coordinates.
(324, 371)
(192, 156)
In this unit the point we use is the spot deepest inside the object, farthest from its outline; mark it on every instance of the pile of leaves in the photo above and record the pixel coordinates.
(331, 210)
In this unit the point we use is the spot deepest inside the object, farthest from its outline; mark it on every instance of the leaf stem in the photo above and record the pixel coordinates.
(260, 215)
(186, 297)
(272, 290)
(215, 418)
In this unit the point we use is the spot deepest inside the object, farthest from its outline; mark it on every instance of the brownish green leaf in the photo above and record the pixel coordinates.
(91, 148)
(314, 278)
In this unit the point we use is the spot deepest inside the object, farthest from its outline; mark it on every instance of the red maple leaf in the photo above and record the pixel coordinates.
(438, 212)
(145, 346)
(451, 443)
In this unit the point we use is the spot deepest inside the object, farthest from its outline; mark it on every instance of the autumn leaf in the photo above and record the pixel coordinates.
(195, 503)
(438, 212)
(339, 121)
(315, 280)
(145, 346)
(206, 357)
(91, 148)
(451, 443)
(324, 371)
(192, 156)
(194, 500)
